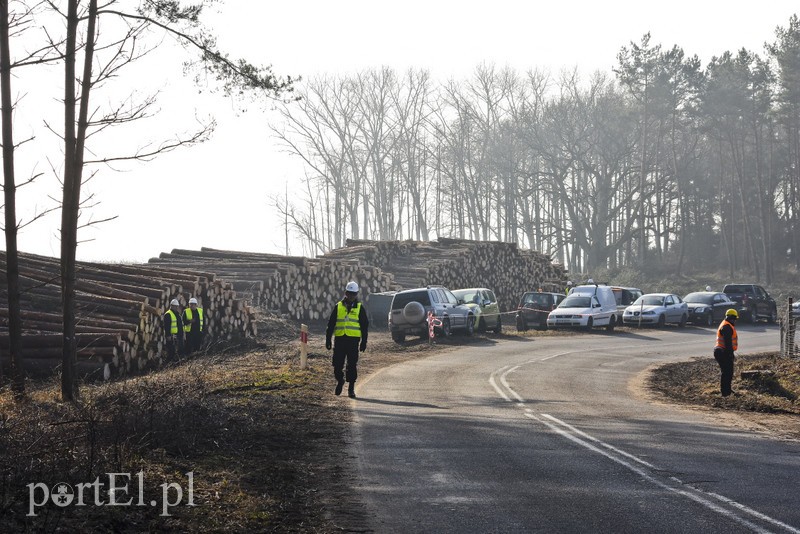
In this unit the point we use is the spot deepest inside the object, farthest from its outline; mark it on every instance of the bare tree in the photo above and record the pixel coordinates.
(101, 61)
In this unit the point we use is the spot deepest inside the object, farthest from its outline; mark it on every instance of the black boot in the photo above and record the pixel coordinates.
(339, 386)
(351, 391)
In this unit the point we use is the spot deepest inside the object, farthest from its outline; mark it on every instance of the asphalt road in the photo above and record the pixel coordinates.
(547, 435)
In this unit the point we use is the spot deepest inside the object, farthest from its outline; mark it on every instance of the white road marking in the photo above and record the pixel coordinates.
(621, 457)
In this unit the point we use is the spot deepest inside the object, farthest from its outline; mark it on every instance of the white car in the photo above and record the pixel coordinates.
(658, 309)
(586, 307)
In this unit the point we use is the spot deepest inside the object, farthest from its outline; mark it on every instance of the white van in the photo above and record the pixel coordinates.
(586, 306)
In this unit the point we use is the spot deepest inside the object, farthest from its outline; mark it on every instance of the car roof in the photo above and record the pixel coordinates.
(542, 293)
(419, 289)
(658, 294)
(471, 289)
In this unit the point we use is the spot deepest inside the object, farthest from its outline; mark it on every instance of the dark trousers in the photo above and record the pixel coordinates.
(193, 342)
(345, 348)
(174, 348)
(725, 360)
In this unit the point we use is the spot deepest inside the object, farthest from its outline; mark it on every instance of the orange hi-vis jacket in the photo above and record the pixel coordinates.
(721, 338)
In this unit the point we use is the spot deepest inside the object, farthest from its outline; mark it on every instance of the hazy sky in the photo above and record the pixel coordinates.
(217, 194)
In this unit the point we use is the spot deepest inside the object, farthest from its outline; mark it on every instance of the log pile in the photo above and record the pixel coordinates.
(302, 288)
(120, 306)
(119, 311)
(459, 263)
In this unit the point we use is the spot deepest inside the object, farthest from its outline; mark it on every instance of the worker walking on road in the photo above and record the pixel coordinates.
(194, 326)
(348, 323)
(173, 330)
(727, 343)
(569, 286)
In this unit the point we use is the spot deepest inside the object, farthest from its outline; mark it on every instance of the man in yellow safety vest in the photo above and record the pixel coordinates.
(194, 326)
(349, 325)
(727, 343)
(173, 330)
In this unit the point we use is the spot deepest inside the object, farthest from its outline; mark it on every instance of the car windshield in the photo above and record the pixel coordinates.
(466, 295)
(401, 299)
(733, 288)
(576, 301)
(700, 298)
(649, 300)
(539, 299)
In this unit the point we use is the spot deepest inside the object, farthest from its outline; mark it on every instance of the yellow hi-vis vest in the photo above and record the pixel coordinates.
(721, 340)
(187, 327)
(347, 321)
(174, 324)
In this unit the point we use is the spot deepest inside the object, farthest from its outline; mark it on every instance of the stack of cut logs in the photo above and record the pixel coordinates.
(120, 306)
(459, 263)
(302, 288)
(119, 310)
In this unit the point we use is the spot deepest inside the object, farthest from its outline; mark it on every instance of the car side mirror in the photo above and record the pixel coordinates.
(487, 302)
(461, 301)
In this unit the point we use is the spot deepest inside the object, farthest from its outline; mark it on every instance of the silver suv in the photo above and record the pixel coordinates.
(409, 312)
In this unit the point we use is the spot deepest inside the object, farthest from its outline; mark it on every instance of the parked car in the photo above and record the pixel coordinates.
(707, 308)
(409, 312)
(586, 306)
(484, 306)
(796, 310)
(658, 309)
(534, 307)
(625, 296)
(753, 302)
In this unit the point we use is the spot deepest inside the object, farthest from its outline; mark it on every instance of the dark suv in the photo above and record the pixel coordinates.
(752, 302)
(409, 313)
(534, 307)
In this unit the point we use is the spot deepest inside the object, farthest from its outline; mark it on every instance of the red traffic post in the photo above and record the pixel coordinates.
(432, 323)
(303, 346)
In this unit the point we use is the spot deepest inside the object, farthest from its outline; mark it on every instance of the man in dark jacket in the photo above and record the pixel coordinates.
(727, 343)
(194, 326)
(348, 323)
(173, 330)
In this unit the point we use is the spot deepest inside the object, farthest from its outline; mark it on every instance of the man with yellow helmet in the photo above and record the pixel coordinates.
(727, 343)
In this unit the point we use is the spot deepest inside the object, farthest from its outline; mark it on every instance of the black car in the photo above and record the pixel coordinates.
(752, 302)
(708, 308)
(534, 307)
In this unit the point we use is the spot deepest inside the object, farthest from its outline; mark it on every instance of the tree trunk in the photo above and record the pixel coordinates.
(9, 188)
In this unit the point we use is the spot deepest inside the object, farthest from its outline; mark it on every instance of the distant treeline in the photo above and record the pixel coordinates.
(663, 160)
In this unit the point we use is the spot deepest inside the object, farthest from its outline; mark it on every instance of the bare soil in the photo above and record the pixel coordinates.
(267, 442)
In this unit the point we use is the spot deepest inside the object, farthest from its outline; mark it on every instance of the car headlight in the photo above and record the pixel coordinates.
(700, 310)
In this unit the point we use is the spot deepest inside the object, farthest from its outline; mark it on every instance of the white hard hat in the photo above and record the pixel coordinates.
(590, 281)
(192, 300)
(708, 288)
(352, 287)
(174, 302)
(569, 282)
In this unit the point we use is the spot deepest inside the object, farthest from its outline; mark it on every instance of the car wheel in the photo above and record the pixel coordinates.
(499, 327)
(521, 326)
(683, 321)
(481, 325)
(773, 316)
(611, 323)
(470, 328)
(662, 320)
(589, 323)
(398, 337)
(709, 319)
(445, 327)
